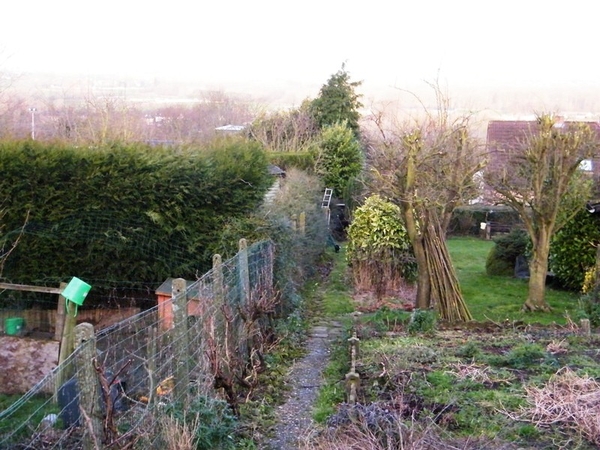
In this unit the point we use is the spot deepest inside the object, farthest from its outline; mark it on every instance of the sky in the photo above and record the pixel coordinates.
(391, 43)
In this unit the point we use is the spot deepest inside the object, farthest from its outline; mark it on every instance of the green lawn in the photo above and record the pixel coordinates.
(500, 298)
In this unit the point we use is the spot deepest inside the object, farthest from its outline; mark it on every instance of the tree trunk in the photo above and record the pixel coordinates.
(538, 271)
(423, 279)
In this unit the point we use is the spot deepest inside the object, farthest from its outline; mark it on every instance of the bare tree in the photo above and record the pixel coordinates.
(542, 182)
(427, 168)
(286, 131)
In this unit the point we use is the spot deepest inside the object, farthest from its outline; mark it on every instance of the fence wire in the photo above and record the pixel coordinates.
(155, 363)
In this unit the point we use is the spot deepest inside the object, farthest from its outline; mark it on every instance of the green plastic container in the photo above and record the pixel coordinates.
(76, 291)
(14, 325)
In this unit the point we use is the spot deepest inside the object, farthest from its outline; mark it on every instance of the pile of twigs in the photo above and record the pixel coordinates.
(567, 400)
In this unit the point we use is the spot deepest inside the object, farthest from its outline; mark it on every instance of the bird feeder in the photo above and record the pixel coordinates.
(76, 291)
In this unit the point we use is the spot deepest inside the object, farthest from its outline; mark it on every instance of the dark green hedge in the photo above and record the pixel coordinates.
(466, 220)
(298, 160)
(573, 249)
(124, 212)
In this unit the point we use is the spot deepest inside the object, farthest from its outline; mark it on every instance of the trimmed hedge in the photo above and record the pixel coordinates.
(297, 160)
(123, 212)
(466, 220)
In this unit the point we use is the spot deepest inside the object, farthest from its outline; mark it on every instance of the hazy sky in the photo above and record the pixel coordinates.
(384, 42)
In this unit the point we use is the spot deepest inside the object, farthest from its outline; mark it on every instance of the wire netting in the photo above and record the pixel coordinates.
(205, 342)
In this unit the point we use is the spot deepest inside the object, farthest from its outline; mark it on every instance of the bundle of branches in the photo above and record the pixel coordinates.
(445, 289)
(568, 400)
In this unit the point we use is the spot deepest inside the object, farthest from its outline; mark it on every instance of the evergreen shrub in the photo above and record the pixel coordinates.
(503, 255)
(122, 213)
(573, 250)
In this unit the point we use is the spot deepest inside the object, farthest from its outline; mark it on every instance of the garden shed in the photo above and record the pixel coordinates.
(165, 304)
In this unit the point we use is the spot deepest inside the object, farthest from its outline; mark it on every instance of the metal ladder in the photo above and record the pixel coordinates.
(325, 204)
(327, 198)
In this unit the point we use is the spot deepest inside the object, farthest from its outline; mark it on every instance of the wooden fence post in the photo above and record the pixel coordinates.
(302, 223)
(60, 314)
(244, 299)
(243, 272)
(294, 222)
(88, 386)
(218, 288)
(180, 339)
(67, 342)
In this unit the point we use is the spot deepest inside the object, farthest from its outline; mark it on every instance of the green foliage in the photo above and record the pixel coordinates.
(123, 212)
(386, 319)
(297, 160)
(469, 350)
(502, 257)
(338, 102)
(589, 305)
(422, 321)
(573, 251)
(214, 424)
(379, 249)
(522, 356)
(467, 219)
(338, 157)
(297, 254)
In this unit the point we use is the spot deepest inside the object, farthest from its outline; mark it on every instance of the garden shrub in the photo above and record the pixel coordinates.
(590, 307)
(503, 255)
(210, 419)
(573, 249)
(422, 321)
(379, 249)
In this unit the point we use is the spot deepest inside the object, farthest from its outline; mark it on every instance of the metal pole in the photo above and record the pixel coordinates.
(33, 110)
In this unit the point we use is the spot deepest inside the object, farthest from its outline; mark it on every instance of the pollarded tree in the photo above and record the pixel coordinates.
(543, 182)
(338, 102)
(427, 168)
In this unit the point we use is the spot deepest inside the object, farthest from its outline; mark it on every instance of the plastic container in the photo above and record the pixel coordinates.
(76, 291)
(14, 325)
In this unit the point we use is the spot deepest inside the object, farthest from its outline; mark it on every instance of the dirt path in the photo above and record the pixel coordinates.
(294, 417)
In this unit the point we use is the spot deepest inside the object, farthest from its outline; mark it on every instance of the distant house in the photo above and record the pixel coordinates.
(231, 128)
(505, 136)
(196, 302)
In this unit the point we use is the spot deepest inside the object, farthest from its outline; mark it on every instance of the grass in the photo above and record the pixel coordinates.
(336, 298)
(499, 298)
(335, 303)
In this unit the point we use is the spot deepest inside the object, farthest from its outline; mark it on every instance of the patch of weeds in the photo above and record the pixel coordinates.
(333, 392)
(210, 420)
(589, 308)
(386, 319)
(527, 432)
(421, 354)
(422, 321)
(470, 350)
(522, 356)
(440, 380)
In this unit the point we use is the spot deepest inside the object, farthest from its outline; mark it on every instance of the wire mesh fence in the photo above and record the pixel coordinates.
(123, 384)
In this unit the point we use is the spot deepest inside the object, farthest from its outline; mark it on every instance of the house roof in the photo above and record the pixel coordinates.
(231, 128)
(275, 170)
(506, 135)
(509, 134)
(167, 287)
